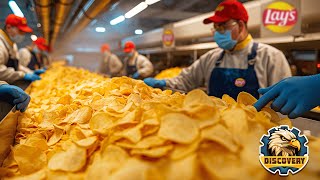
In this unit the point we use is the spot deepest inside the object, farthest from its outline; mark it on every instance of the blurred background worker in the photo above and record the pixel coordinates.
(293, 96)
(240, 64)
(13, 32)
(14, 95)
(136, 65)
(110, 64)
(30, 56)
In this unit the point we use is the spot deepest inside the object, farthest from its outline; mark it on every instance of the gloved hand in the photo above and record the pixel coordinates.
(135, 75)
(292, 96)
(31, 77)
(15, 96)
(155, 83)
(39, 71)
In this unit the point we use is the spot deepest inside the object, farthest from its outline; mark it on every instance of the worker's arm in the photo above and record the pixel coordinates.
(145, 67)
(3, 82)
(24, 57)
(115, 65)
(8, 74)
(190, 78)
(278, 68)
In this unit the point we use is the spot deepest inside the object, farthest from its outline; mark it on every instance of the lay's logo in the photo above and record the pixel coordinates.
(280, 17)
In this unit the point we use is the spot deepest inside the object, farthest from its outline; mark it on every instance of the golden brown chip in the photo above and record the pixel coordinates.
(178, 128)
(246, 98)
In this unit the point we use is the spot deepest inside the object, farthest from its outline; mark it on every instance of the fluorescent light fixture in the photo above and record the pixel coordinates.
(117, 20)
(15, 8)
(149, 2)
(138, 31)
(34, 37)
(134, 11)
(38, 25)
(100, 29)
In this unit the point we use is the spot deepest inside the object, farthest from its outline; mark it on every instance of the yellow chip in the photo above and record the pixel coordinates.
(71, 160)
(183, 150)
(79, 116)
(235, 119)
(220, 135)
(274, 116)
(87, 143)
(246, 98)
(195, 98)
(285, 121)
(100, 123)
(29, 159)
(57, 135)
(178, 128)
(183, 169)
(229, 100)
(156, 152)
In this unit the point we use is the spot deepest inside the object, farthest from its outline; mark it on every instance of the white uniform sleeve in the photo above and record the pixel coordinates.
(103, 65)
(145, 67)
(3, 82)
(190, 78)
(8, 74)
(24, 69)
(115, 65)
(278, 68)
(24, 56)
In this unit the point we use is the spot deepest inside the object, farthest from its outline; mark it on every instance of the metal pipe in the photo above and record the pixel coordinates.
(63, 8)
(43, 10)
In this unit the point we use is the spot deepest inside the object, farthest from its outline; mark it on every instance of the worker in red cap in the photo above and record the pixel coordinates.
(13, 32)
(30, 56)
(136, 65)
(239, 64)
(110, 64)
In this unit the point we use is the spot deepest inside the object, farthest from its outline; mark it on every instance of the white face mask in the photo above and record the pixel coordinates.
(18, 38)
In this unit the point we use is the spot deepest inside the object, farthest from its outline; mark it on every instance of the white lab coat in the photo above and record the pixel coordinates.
(24, 56)
(144, 66)
(9, 74)
(110, 65)
(271, 66)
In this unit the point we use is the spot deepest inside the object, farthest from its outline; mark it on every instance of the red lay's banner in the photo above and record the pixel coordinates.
(281, 17)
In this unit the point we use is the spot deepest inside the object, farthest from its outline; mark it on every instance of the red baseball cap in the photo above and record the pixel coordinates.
(19, 22)
(129, 46)
(41, 44)
(105, 47)
(228, 9)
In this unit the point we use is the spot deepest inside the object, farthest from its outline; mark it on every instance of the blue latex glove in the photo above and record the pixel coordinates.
(292, 96)
(155, 83)
(31, 77)
(15, 96)
(135, 75)
(39, 71)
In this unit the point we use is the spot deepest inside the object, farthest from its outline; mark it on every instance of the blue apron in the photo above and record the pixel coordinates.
(132, 69)
(33, 61)
(233, 81)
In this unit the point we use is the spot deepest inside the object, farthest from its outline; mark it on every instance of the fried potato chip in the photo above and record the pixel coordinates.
(149, 142)
(29, 159)
(195, 98)
(274, 116)
(246, 98)
(71, 160)
(220, 135)
(132, 134)
(36, 141)
(39, 175)
(57, 135)
(66, 99)
(87, 143)
(204, 115)
(183, 150)
(229, 100)
(133, 169)
(285, 121)
(156, 152)
(100, 123)
(235, 119)
(178, 128)
(183, 169)
(80, 116)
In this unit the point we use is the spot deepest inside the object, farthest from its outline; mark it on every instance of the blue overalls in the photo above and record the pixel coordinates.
(33, 61)
(132, 69)
(233, 81)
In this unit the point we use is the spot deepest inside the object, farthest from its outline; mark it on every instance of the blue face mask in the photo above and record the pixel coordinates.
(225, 40)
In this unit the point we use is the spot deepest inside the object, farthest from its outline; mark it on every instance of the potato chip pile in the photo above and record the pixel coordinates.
(169, 73)
(80, 125)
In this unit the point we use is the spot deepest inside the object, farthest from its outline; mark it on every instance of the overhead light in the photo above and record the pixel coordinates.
(39, 25)
(34, 37)
(100, 29)
(117, 20)
(15, 8)
(134, 11)
(149, 2)
(138, 31)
